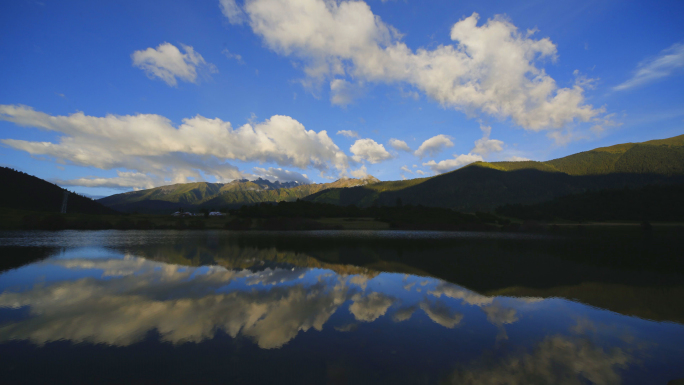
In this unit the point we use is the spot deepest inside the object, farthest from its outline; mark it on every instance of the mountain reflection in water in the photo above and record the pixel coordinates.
(209, 308)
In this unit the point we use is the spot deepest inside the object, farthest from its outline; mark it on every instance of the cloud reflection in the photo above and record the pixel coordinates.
(441, 314)
(180, 303)
(555, 360)
(132, 296)
(370, 307)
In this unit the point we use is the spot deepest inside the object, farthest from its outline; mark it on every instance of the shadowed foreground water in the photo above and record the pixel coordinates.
(335, 308)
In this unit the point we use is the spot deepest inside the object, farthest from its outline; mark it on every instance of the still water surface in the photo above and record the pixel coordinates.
(329, 308)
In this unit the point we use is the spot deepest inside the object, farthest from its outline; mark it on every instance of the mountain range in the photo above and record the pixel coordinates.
(199, 195)
(481, 186)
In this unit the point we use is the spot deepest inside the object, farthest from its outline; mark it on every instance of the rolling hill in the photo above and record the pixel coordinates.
(26, 192)
(191, 196)
(649, 203)
(483, 186)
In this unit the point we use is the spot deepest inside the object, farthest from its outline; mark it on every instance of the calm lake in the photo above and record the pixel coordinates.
(343, 307)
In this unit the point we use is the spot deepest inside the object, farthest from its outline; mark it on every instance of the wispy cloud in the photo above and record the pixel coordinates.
(343, 93)
(231, 55)
(232, 11)
(348, 133)
(123, 180)
(515, 158)
(667, 63)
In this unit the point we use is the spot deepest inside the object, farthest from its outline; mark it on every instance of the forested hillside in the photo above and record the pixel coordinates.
(483, 186)
(650, 203)
(26, 192)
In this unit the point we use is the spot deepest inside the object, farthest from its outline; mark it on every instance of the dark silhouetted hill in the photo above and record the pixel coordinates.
(650, 203)
(26, 192)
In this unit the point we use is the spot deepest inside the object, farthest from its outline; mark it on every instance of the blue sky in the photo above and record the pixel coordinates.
(105, 97)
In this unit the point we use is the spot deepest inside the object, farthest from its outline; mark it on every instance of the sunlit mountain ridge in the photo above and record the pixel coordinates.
(220, 195)
(483, 186)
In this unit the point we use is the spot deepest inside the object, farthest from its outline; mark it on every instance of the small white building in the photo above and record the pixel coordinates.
(180, 214)
(216, 214)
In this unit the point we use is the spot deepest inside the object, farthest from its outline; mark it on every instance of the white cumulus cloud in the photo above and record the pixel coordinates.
(360, 172)
(399, 145)
(491, 67)
(369, 150)
(452, 164)
(168, 63)
(149, 144)
(278, 174)
(433, 146)
(484, 145)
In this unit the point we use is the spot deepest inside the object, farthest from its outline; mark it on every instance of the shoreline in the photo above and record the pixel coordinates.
(21, 220)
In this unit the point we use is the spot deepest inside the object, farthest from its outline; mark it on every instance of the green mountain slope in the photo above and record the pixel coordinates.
(482, 186)
(364, 195)
(662, 157)
(219, 195)
(26, 192)
(186, 193)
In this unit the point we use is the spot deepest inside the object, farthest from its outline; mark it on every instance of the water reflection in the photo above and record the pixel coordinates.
(117, 301)
(314, 320)
(558, 359)
(124, 299)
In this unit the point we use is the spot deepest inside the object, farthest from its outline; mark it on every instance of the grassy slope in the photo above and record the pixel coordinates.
(363, 195)
(484, 185)
(183, 193)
